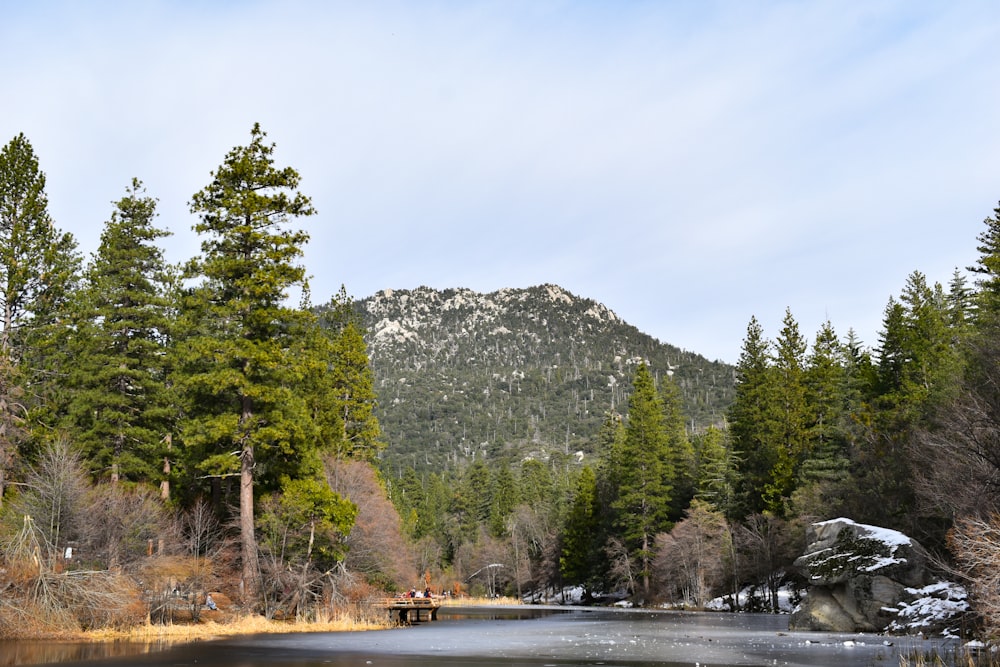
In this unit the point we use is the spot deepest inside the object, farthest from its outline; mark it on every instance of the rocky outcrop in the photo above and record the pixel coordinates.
(869, 579)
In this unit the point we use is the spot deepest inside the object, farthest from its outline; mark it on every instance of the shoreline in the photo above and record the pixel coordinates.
(235, 625)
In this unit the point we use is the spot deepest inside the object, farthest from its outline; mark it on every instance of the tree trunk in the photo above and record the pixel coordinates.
(250, 582)
(165, 484)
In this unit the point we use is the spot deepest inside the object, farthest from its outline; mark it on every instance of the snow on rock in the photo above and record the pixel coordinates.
(839, 549)
(871, 579)
(931, 607)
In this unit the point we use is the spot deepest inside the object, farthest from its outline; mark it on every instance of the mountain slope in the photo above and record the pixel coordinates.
(462, 375)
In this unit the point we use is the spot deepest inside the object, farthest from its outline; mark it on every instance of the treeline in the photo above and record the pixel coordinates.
(178, 428)
(905, 435)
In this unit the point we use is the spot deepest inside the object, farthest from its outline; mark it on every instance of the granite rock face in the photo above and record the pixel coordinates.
(864, 579)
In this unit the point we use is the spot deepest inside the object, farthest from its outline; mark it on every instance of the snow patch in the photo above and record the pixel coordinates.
(930, 607)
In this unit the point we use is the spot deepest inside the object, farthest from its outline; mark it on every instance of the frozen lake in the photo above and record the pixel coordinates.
(509, 637)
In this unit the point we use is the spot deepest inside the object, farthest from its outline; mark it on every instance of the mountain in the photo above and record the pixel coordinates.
(463, 376)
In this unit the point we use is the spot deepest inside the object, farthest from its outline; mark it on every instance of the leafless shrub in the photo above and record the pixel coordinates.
(976, 544)
(202, 536)
(622, 570)
(957, 461)
(767, 546)
(375, 546)
(45, 597)
(690, 560)
(126, 526)
(56, 495)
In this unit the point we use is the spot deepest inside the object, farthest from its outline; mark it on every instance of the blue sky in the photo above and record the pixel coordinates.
(688, 164)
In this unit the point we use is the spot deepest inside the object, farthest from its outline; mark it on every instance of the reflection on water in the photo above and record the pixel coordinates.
(497, 613)
(33, 652)
(511, 637)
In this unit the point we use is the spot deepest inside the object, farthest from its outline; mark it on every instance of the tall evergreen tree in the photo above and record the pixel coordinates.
(580, 548)
(503, 499)
(961, 305)
(354, 395)
(824, 472)
(918, 368)
(987, 267)
(751, 419)
(715, 469)
(38, 267)
(932, 361)
(121, 408)
(680, 451)
(350, 385)
(238, 370)
(535, 483)
(643, 469)
(789, 437)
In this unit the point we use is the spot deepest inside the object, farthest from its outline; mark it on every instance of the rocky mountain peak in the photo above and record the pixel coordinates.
(462, 374)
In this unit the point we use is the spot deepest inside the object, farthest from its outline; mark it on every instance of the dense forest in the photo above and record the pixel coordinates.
(186, 428)
(463, 376)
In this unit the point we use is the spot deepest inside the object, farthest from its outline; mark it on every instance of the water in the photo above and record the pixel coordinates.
(522, 636)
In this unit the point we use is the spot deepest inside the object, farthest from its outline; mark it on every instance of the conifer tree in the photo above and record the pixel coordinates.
(642, 473)
(504, 499)
(987, 267)
(38, 267)
(580, 549)
(931, 360)
(352, 397)
(535, 483)
(121, 408)
(681, 453)
(715, 469)
(790, 440)
(918, 368)
(240, 365)
(961, 306)
(824, 472)
(751, 421)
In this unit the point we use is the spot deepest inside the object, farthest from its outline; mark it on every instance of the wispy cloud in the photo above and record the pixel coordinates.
(687, 164)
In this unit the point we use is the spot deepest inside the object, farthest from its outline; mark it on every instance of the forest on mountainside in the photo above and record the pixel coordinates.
(463, 376)
(172, 430)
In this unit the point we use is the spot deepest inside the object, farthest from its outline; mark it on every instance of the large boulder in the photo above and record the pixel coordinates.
(861, 579)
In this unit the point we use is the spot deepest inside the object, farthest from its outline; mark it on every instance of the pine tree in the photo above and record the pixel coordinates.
(932, 361)
(642, 473)
(38, 267)
(681, 453)
(503, 492)
(824, 472)
(789, 437)
(987, 267)
(121, 408)
(354, 395)
(535, 483)
(715, 469)
(961, 306)
(580, 549)
(751, 421)
(918, 369)
(237, 369)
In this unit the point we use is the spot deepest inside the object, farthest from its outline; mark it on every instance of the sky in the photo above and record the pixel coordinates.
(690, 165)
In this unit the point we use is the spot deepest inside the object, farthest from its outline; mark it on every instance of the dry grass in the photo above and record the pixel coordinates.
(466, 601)
(245, 625)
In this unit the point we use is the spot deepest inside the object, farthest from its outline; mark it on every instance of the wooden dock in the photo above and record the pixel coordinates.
(412, 610)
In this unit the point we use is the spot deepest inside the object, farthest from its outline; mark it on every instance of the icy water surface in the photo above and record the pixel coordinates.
(513, 637)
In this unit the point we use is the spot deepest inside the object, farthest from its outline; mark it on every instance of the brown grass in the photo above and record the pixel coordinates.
(466, 601)
(244, 625)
